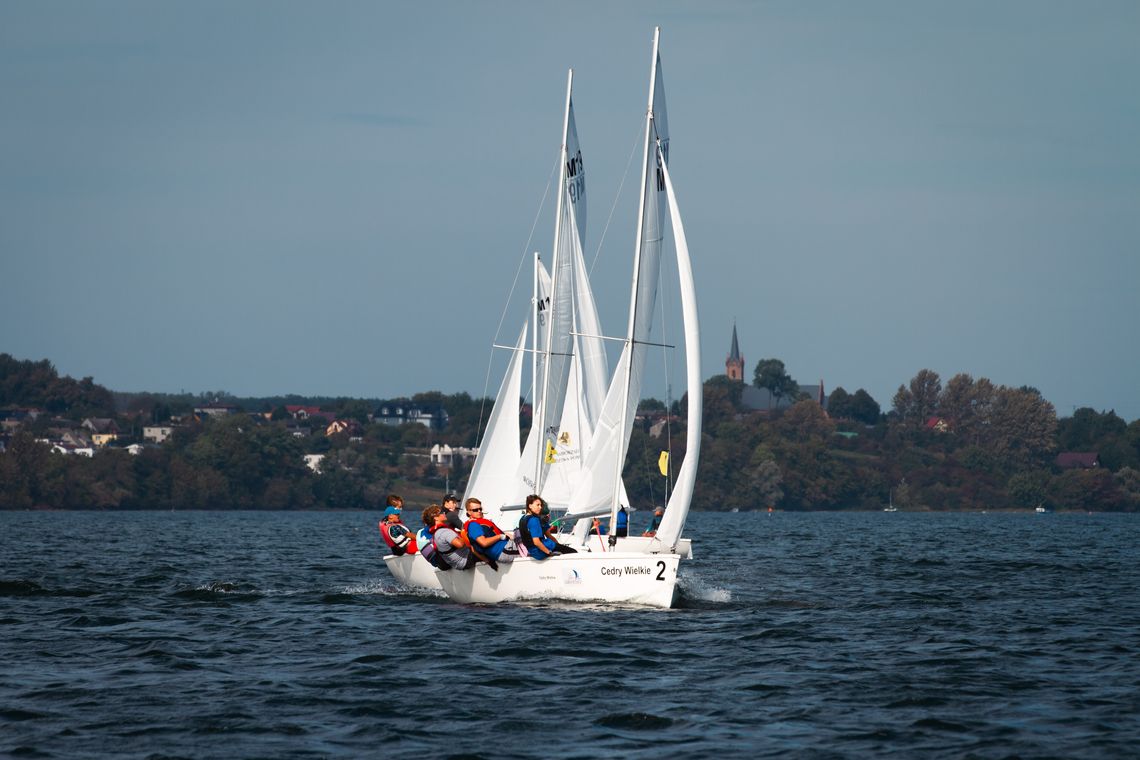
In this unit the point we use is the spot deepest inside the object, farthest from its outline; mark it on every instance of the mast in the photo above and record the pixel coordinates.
(540, 450)
(640, 243)
(535, 306)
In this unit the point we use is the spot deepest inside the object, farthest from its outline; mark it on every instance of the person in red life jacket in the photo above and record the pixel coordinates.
(449, 544)
(488, 541)
(397, 535)
(538, 543)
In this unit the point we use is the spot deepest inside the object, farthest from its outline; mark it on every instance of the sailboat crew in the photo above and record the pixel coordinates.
(392, 529)
(536, 538)
(449, 544)
(451, 511)
(488, 541)
(622, 523)
(658, 513)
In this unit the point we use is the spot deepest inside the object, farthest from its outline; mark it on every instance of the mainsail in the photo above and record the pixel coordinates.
(553, 365)
(600, 489)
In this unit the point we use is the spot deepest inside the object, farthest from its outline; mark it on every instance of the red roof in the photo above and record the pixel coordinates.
(1072, 459)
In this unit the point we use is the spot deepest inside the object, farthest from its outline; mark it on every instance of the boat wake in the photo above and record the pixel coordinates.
(695, 592)
(391, 588)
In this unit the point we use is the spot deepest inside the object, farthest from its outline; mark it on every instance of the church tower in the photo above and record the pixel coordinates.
(734, 364)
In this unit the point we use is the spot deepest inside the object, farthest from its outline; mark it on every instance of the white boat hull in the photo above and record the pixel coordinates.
(618, 577)
(412, 570)
(636, 545)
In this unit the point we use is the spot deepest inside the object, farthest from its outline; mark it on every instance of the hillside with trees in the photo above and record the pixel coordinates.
(965, 444)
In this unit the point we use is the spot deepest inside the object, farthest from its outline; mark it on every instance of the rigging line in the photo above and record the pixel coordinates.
(637, 137)
(514, 284)
(529, 240)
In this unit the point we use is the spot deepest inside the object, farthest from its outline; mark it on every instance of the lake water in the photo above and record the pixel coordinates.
(223, 634)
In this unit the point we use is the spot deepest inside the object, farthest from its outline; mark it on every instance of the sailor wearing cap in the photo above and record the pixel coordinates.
(393, 531)
(451, 510)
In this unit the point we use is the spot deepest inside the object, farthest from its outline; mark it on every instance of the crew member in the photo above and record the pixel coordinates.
(539, 543)
(451, 508)
(488, 541)
(655, 523)
(622, 523)
(448, 543)
(392, 529)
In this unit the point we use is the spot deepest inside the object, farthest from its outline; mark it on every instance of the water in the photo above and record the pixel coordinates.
(221, 635)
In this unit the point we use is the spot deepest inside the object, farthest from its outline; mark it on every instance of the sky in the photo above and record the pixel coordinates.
(336, 198)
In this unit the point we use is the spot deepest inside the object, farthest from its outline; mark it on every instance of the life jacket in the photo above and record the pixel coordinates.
(476, 548)
(432, 553)
(494, 529)
(524, 534)
(526, 539)
(401, 543)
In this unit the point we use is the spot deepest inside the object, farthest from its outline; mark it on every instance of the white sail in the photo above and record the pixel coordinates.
(524, 478)
(677, 510)
(564, 460)
(607, 450)
(555, 361)
(493, 476)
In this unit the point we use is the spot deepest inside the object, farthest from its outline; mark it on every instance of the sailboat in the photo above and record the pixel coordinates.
(562, 337)
(891, 502)
(588, 484)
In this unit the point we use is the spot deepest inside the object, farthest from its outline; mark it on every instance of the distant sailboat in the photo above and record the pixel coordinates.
(891, 502)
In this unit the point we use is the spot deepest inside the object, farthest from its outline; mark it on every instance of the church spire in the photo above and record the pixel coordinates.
(734, 364)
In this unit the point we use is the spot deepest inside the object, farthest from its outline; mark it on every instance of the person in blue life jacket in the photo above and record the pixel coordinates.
(655, 523)
(488, 541)
(622, 523)
(539, 543)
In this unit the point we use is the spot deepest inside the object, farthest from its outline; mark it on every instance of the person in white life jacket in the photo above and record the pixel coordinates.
(488, 541)
(397, 535)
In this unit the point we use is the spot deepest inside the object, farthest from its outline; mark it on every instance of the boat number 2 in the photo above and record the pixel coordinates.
(660, 570)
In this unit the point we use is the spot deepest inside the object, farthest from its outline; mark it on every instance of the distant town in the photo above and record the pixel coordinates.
(768, 444)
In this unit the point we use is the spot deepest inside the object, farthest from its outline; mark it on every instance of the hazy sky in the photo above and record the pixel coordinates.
(334, 198)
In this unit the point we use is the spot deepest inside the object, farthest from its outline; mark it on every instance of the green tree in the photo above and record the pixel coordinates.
(771, 375)
(967, 405)
(839, 404)
(918, 401)
(763, 479)
(1022, 429)
(864, 408)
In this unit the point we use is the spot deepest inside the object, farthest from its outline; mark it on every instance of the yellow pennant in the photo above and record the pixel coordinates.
(663, 463)
(550, 451)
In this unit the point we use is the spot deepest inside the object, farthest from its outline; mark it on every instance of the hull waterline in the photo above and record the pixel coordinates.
(614, 577)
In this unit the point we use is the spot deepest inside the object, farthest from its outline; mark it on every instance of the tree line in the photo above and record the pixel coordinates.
(965, 444)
